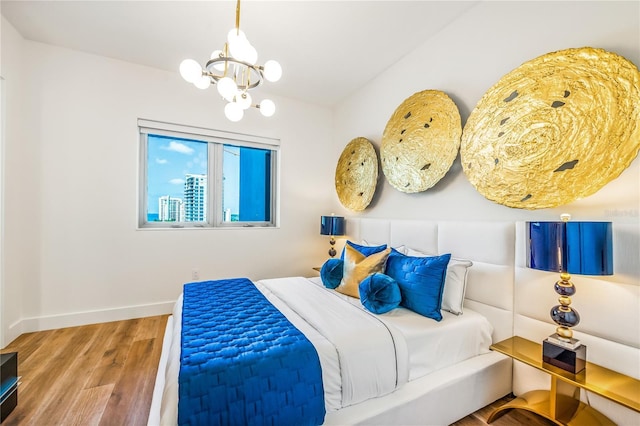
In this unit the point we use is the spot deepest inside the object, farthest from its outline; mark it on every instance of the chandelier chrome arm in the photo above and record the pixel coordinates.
(252, 70)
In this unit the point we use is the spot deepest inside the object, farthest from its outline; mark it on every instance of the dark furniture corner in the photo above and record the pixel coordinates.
(8, 383)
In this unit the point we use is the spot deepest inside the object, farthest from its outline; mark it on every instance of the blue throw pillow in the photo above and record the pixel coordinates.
(366, 250)
(421, 282)
(331, 272)
(379, 293)
(395, 252)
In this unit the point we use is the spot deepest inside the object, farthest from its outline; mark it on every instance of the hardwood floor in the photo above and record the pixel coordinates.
(511, 418)
(103, 374)
(100, 374)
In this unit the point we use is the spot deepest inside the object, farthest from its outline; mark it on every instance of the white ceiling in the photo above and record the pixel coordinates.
(327, 49)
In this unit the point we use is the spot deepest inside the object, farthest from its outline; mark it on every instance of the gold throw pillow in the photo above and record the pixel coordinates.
(357, 267)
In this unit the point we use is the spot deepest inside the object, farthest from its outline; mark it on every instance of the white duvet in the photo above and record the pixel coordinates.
(362, 355)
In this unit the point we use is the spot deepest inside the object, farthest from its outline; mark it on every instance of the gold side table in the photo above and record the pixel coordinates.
(561, 403)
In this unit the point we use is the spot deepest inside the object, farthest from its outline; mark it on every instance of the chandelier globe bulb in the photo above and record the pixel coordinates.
(241, 52)
(235, 35)
(190, 70)
(227, 88)
(272, 70)
(233, 111)
(203, 82)
(238, 45)
(251, 55)
(267, 107)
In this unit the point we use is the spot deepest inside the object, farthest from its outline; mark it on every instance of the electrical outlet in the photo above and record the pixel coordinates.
(195, 274)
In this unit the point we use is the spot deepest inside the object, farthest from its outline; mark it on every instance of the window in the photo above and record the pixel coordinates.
(195, 177)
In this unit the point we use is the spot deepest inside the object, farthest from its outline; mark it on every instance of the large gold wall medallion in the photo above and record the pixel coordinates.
(420, 141)
(357, 174)
(555, 129)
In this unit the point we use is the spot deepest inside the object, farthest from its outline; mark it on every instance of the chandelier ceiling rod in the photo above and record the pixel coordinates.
(234, 71)
(238, 16)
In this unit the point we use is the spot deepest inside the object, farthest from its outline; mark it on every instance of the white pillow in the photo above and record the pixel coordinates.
(455, 283)
(401, 249)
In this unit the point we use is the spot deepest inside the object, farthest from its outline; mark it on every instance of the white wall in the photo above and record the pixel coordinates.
(21, 187)
(74, 250)
(464, 60)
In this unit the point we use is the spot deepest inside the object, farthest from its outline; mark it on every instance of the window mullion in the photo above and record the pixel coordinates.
(215, 171)
(275, 194)
(143, 184)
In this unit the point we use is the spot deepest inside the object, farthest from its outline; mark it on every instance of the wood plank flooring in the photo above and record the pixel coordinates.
(100, 374)
(103, 374)
(511, 418)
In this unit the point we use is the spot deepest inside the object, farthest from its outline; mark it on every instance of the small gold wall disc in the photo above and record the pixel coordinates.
(357, 174)
(420, 141)
(555, 129)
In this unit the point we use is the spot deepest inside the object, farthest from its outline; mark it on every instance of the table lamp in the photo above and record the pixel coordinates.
(583, 248)
(332, 225)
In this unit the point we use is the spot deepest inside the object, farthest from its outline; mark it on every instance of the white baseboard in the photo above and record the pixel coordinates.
(11, 333)
(28, 325)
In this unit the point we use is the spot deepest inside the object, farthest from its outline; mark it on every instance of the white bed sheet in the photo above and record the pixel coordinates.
(431, 345)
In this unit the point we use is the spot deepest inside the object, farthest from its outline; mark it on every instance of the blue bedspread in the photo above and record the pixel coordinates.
(242, 362)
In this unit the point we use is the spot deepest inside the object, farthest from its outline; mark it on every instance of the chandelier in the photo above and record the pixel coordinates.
(234, 72)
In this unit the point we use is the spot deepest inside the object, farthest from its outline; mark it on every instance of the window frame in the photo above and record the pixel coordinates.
(216, 140)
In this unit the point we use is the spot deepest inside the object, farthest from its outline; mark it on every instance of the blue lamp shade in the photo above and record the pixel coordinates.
(583, 248)
(332, 225)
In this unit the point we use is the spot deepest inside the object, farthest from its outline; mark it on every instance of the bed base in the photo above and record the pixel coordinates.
(439, 398)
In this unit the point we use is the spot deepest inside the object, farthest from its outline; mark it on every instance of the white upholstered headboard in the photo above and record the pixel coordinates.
(489, 245)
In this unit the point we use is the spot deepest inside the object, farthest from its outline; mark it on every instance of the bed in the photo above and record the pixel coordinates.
(432, 372)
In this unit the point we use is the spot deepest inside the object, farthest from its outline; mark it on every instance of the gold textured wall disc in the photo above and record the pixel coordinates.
(357, 174)
(420, 141)
(555, 129)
